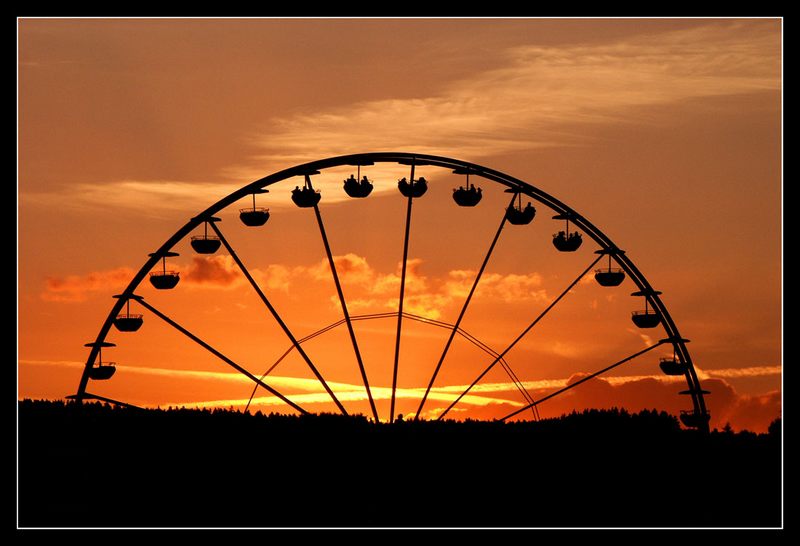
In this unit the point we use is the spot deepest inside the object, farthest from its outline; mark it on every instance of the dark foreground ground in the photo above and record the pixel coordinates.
(96, 466)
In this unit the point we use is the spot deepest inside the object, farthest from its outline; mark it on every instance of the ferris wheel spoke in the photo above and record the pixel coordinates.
(219, 355)
(402, 295)
(277, 317)
(345, 312)
(583, 380)
(523, 334)
(461, 314)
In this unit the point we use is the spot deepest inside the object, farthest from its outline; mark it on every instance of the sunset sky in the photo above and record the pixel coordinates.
(664, 133)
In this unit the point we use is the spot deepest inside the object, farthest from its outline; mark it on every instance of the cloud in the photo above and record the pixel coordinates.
(370, 289)
(753, 371)
(76, 288)
(219, 271)
(157, 197)
(538, 91)
(204, 272)
(724, 403)
(647, 341)
(537, 96)
(274, 277)
(512, 287)
(425, 295)
(751, 412)
(350, 268)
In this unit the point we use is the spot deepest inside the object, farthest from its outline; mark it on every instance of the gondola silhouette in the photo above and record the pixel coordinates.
(518, 215)
(165, 280)
(415, 188)
(358, 186)
(307, 196)
(254, 216)
(467, 195)
(205, 243)
(609, 276)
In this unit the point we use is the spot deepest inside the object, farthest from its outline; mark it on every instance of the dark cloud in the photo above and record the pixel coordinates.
(212, 270)
(76, 288)
(753, 413)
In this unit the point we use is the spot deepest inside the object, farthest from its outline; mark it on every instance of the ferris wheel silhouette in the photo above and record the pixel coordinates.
(615, 268)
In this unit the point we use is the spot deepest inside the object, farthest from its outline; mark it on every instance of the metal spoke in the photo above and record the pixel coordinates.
(523, 334)
(464, 309)
(583, 380)
(344, 309)
(402, 294)
(277, 317)
(218, 354)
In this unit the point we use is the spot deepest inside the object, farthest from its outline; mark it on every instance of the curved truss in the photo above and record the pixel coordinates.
(532, 404)
(516, 186)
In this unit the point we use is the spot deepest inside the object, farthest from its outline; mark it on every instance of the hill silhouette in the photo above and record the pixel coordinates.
(101, 466)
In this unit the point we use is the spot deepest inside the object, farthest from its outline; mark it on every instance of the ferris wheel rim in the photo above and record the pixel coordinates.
(513, 185)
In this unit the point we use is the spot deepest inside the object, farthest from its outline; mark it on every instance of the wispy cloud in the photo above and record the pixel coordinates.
(444, 392)
(204, 272)
(356, 394)
(538, 96)
(157, 197)
(76, 288)
(486, 400)
(312, 384)
(539, 91)
(753, 371)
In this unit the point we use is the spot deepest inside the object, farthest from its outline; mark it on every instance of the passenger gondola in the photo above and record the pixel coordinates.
(165, 280)
(672, 366)
(467, 195)
(564, 241)
(254, 216)
(205, 244)
(358, 186)
(609, 276)
(649, 317)
(307, 196)
(518, 215)
(127, 322)
(101, 370)
(415, 188)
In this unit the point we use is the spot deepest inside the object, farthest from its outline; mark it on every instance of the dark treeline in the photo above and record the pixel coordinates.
(100, 466)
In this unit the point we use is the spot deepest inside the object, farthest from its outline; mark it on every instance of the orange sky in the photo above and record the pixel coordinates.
(666, 134)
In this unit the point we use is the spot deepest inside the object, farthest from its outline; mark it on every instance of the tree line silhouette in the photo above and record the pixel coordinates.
(96, 465)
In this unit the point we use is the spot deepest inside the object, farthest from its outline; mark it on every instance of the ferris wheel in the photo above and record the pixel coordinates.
(610, 267)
